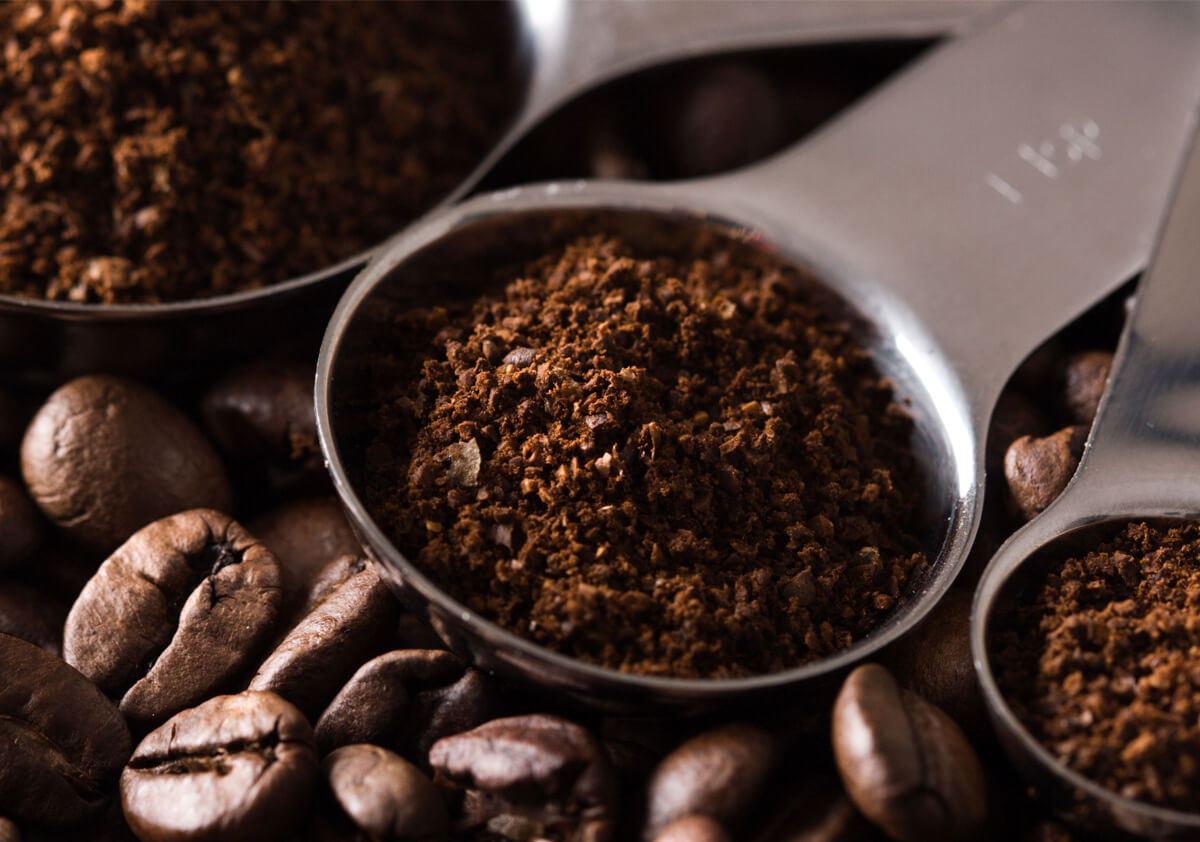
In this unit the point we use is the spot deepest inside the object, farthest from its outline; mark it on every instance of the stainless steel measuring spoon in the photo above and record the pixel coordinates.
(1142, 461)
(967, 211)
(559, 49)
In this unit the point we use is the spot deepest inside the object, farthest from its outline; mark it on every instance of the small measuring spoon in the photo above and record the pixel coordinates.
(967, 210)
(1142, 461)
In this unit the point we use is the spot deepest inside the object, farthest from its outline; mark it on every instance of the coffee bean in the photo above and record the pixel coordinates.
(609, 156)
(178, 612)
(9, 831)
(235, 769)
(407, 699)
(531, 774)
(719, 773)
(1037, 470)
(305, 535)
(20, 525)
(692, 829)
(1015, 416)
(61, 740)
(725, 115)
(261, 414)
(105, 456)
(386, 796)
(934, 661)
(905, 764)
(29, 614)
(1082, 381)
(352, 619)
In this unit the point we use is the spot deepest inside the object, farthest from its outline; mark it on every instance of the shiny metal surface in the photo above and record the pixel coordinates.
(562, 48)
(1142, 461)
(921, 208)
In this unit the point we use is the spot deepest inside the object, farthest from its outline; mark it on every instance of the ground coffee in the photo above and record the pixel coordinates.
(1099, 662)
(671, 461)
(162, 151)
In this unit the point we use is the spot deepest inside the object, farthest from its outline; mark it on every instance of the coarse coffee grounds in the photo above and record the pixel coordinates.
(154, 151)
(669, 461)
(1100, 662)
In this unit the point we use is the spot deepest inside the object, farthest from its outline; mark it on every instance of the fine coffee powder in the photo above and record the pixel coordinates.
(162, 151)
(670, 460)
(1099, 660)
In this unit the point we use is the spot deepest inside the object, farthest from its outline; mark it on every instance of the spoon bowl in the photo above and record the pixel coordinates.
(1140, 464)
(904, 207)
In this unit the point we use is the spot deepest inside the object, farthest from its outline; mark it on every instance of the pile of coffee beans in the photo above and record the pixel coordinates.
(672, 460)
(157, 151)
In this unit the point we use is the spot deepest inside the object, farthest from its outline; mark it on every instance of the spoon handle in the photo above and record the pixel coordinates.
(1001, 186)
(1145, 442)
(584, 43)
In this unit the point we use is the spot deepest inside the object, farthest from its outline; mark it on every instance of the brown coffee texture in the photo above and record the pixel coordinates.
(1098, 660)
(156, 151)
(671, 461)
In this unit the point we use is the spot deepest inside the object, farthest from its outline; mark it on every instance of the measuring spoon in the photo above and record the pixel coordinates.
(1141, 461)
(559, 49)
(967, 211)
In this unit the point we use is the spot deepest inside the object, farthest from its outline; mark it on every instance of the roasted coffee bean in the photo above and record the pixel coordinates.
(178, 612)
(1015, 416)
(1037, 470)
(719, 773)
(693, 829)
(609, 156)
(61, 740)
(934, 661)
(351, 620)
(905, 764)
(235, 769)
(531, 774)
(724, 116)
(305, 535)
(105, 456)
(20, 525)
(385, 796)
(261, 413)
(9, 831)
(407, 699)
(29, 614)
(1081, 383)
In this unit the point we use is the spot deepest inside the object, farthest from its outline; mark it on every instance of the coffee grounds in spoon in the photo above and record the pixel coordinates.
(157, 151)
(669, 462)
(1101, 661)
